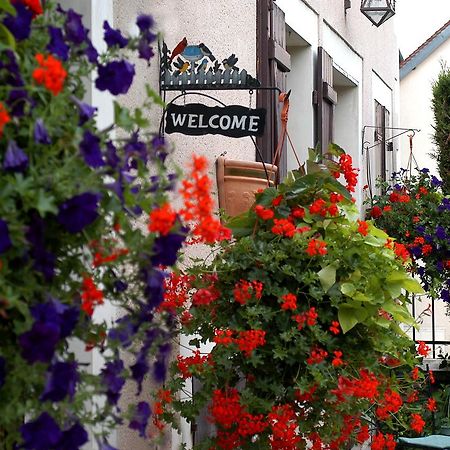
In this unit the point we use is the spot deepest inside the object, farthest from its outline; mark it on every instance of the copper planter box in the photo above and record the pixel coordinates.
(237, 182)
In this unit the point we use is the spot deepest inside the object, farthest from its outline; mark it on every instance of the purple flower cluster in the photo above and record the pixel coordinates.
(53, 321)
(78, 212)
(45, 434)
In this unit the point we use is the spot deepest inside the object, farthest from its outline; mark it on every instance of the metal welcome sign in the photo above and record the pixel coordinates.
(233, 121)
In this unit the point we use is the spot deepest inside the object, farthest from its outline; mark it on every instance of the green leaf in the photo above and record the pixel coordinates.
(403, 280)
(335, 150)
(6, 37)
(45, 203)
(347, 318)
(348, 289)
(327, 276)
(241, 225)
(157, 100)
(6, 6)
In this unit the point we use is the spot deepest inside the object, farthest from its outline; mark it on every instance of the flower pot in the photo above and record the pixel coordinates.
(237, 182)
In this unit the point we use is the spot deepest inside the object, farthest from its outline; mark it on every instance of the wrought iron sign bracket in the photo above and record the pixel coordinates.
(366, 144)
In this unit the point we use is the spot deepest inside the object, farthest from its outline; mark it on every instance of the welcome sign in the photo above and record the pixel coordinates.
(196, 120)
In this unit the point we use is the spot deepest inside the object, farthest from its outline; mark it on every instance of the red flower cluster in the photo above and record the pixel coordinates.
(399, 197)
(350, 174)
(176, 288)
(363, 227)
(247, 341)
(284, 227)
(337, 360)
(197, 361)
(264, 213)
(317, 356)
(381, 442)
(162, 219)
(366, 386)
(226, 408)
(283, 425)
(401, 251)
(309, 317)
(50, 73)
(423, 349)
(376, 212)
(391, 403)
(321, 207)
(91, 296)
(205, 296)
(103, 255)
(335, 327)
(198, 204)
(245, 290)
(4, 118)
(289, 302)
(417, 423)
(34, 5)
(316, 247)
(250, 340)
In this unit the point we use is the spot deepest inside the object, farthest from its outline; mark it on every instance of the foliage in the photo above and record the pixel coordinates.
(441, 109)
(305, 310)
(414, 211)
(84, 222)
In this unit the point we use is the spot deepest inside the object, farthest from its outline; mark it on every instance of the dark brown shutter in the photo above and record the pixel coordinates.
(325, 99)
(273, 63)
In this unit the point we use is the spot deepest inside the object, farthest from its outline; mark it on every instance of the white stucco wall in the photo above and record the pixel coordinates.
(359, 50)
(416, 109)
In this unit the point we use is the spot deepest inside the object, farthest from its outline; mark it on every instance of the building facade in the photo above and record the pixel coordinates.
(341, 70)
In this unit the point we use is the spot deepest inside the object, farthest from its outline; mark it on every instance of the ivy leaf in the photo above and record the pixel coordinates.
(347, 318)
(327, 276)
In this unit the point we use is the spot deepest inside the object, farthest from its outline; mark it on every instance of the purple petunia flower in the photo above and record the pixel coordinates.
(78, 212)
(154, 286)
(85, 111)
(112, 377)
(425, 170)
(112, 158)
(39, 344)
(2, 371)
(141, 417)
(41, 434)
(73, 438)
(445, 295)
(440, 232)
(145, 49)
(91, 52)
(53, 321)
(124, 331)
(15, 159)
(445, 205)
(61, 381)
(120, 286)
(74, 28)
(40, 133)
(435, 181)
(5, 240)
(20, 24)
(165, 248)
(57, 45)
(17, 99)
(91, 151)
(160, 366)
(144, 22)
(113, 37)
(115, 77)
(139, 370)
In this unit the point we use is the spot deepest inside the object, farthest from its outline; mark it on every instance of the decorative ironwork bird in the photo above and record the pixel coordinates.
(192, 53)
(182, 66)
(230, 62)
(203, 65)
(179, 48)
(206, 52)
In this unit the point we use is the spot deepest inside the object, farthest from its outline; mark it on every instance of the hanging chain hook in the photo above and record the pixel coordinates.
(250, 92)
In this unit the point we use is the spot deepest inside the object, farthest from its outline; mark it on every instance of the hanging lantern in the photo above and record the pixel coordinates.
(378, 11)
